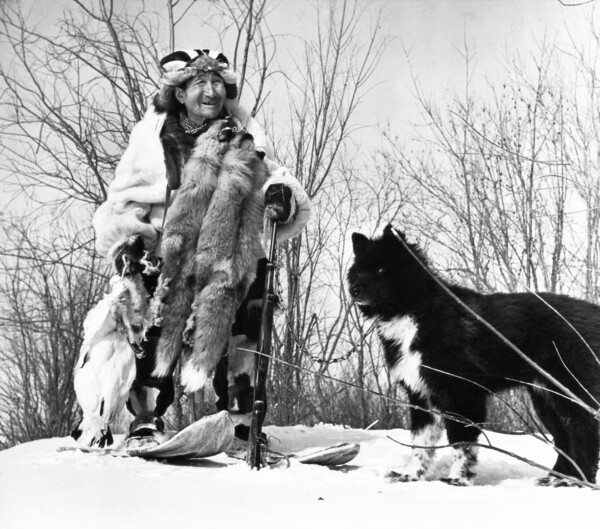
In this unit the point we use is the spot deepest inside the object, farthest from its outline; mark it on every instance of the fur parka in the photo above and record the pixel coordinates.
(135, 202)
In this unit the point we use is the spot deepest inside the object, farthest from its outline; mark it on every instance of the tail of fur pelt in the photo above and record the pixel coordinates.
(215, 309)
(175, 311)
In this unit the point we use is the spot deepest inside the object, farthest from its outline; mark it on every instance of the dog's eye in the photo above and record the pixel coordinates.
(381, 270)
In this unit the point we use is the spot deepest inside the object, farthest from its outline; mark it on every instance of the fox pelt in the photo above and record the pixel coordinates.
(210, 246)
(106, 366)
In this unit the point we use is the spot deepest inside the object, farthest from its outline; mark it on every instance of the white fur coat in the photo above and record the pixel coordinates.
(136, 198)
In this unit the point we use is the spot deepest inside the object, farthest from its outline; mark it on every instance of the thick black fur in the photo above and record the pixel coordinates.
(462, 361)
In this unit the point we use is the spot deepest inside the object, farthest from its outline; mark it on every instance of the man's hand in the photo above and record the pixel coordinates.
(278, 202)
(127, 260)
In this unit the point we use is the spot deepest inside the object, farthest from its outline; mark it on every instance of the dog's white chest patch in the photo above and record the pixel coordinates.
(407, 368)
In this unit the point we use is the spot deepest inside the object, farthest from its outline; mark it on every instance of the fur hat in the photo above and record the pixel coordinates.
(182, 65)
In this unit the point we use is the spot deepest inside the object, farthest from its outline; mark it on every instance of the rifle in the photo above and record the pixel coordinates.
(256, 439)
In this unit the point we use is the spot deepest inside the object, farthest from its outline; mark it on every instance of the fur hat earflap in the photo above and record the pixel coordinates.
(182, 65)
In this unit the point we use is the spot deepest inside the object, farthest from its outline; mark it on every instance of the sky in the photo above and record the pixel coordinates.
(431, 33)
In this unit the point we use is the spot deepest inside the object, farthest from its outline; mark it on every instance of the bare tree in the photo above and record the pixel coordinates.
(582, 139)
(254, 46)
(47, 288)
(332, 78)
(69, 102)
(499, 182)
(71, 99)
(495, 174)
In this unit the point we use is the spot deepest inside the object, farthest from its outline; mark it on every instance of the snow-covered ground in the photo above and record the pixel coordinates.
(43, 488)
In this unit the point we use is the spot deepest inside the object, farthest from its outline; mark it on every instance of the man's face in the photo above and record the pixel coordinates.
(203, 96)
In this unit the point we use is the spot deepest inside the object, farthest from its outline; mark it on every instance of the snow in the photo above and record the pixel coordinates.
(40, 487)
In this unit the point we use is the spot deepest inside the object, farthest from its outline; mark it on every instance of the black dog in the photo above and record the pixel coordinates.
(449, 361)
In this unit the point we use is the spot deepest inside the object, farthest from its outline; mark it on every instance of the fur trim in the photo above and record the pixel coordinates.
(301, 207)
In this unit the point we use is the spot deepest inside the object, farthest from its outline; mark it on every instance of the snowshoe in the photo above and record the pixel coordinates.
(271, 458)
(335, 455)
(205, 438)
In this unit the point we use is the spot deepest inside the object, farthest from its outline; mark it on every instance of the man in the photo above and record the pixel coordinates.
(197, 96)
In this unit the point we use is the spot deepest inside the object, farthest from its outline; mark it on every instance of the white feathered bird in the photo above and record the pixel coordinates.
(106, 366)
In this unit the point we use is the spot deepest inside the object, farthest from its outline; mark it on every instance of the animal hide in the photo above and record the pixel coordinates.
(210, 247)
(106, 366)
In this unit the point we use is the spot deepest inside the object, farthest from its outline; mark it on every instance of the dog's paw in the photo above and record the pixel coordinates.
(392, 476)
(457, 482)
(555, 481)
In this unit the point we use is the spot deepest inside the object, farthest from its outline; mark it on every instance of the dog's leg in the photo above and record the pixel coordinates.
(464, 460)
(547, 414)
(461, 434)
(426, 429)
(584, 444)
(575, 435)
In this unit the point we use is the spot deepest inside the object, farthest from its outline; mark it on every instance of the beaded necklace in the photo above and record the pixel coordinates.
(190, 127)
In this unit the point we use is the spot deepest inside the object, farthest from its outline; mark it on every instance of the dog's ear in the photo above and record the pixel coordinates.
(359, 243)
(389, 232)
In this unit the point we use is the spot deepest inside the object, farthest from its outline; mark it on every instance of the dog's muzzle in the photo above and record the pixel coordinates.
(355, 291)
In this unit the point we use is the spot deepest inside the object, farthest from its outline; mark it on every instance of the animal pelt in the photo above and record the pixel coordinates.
(177, 147)
(210, 247)
(437, 345)
(105, 370)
